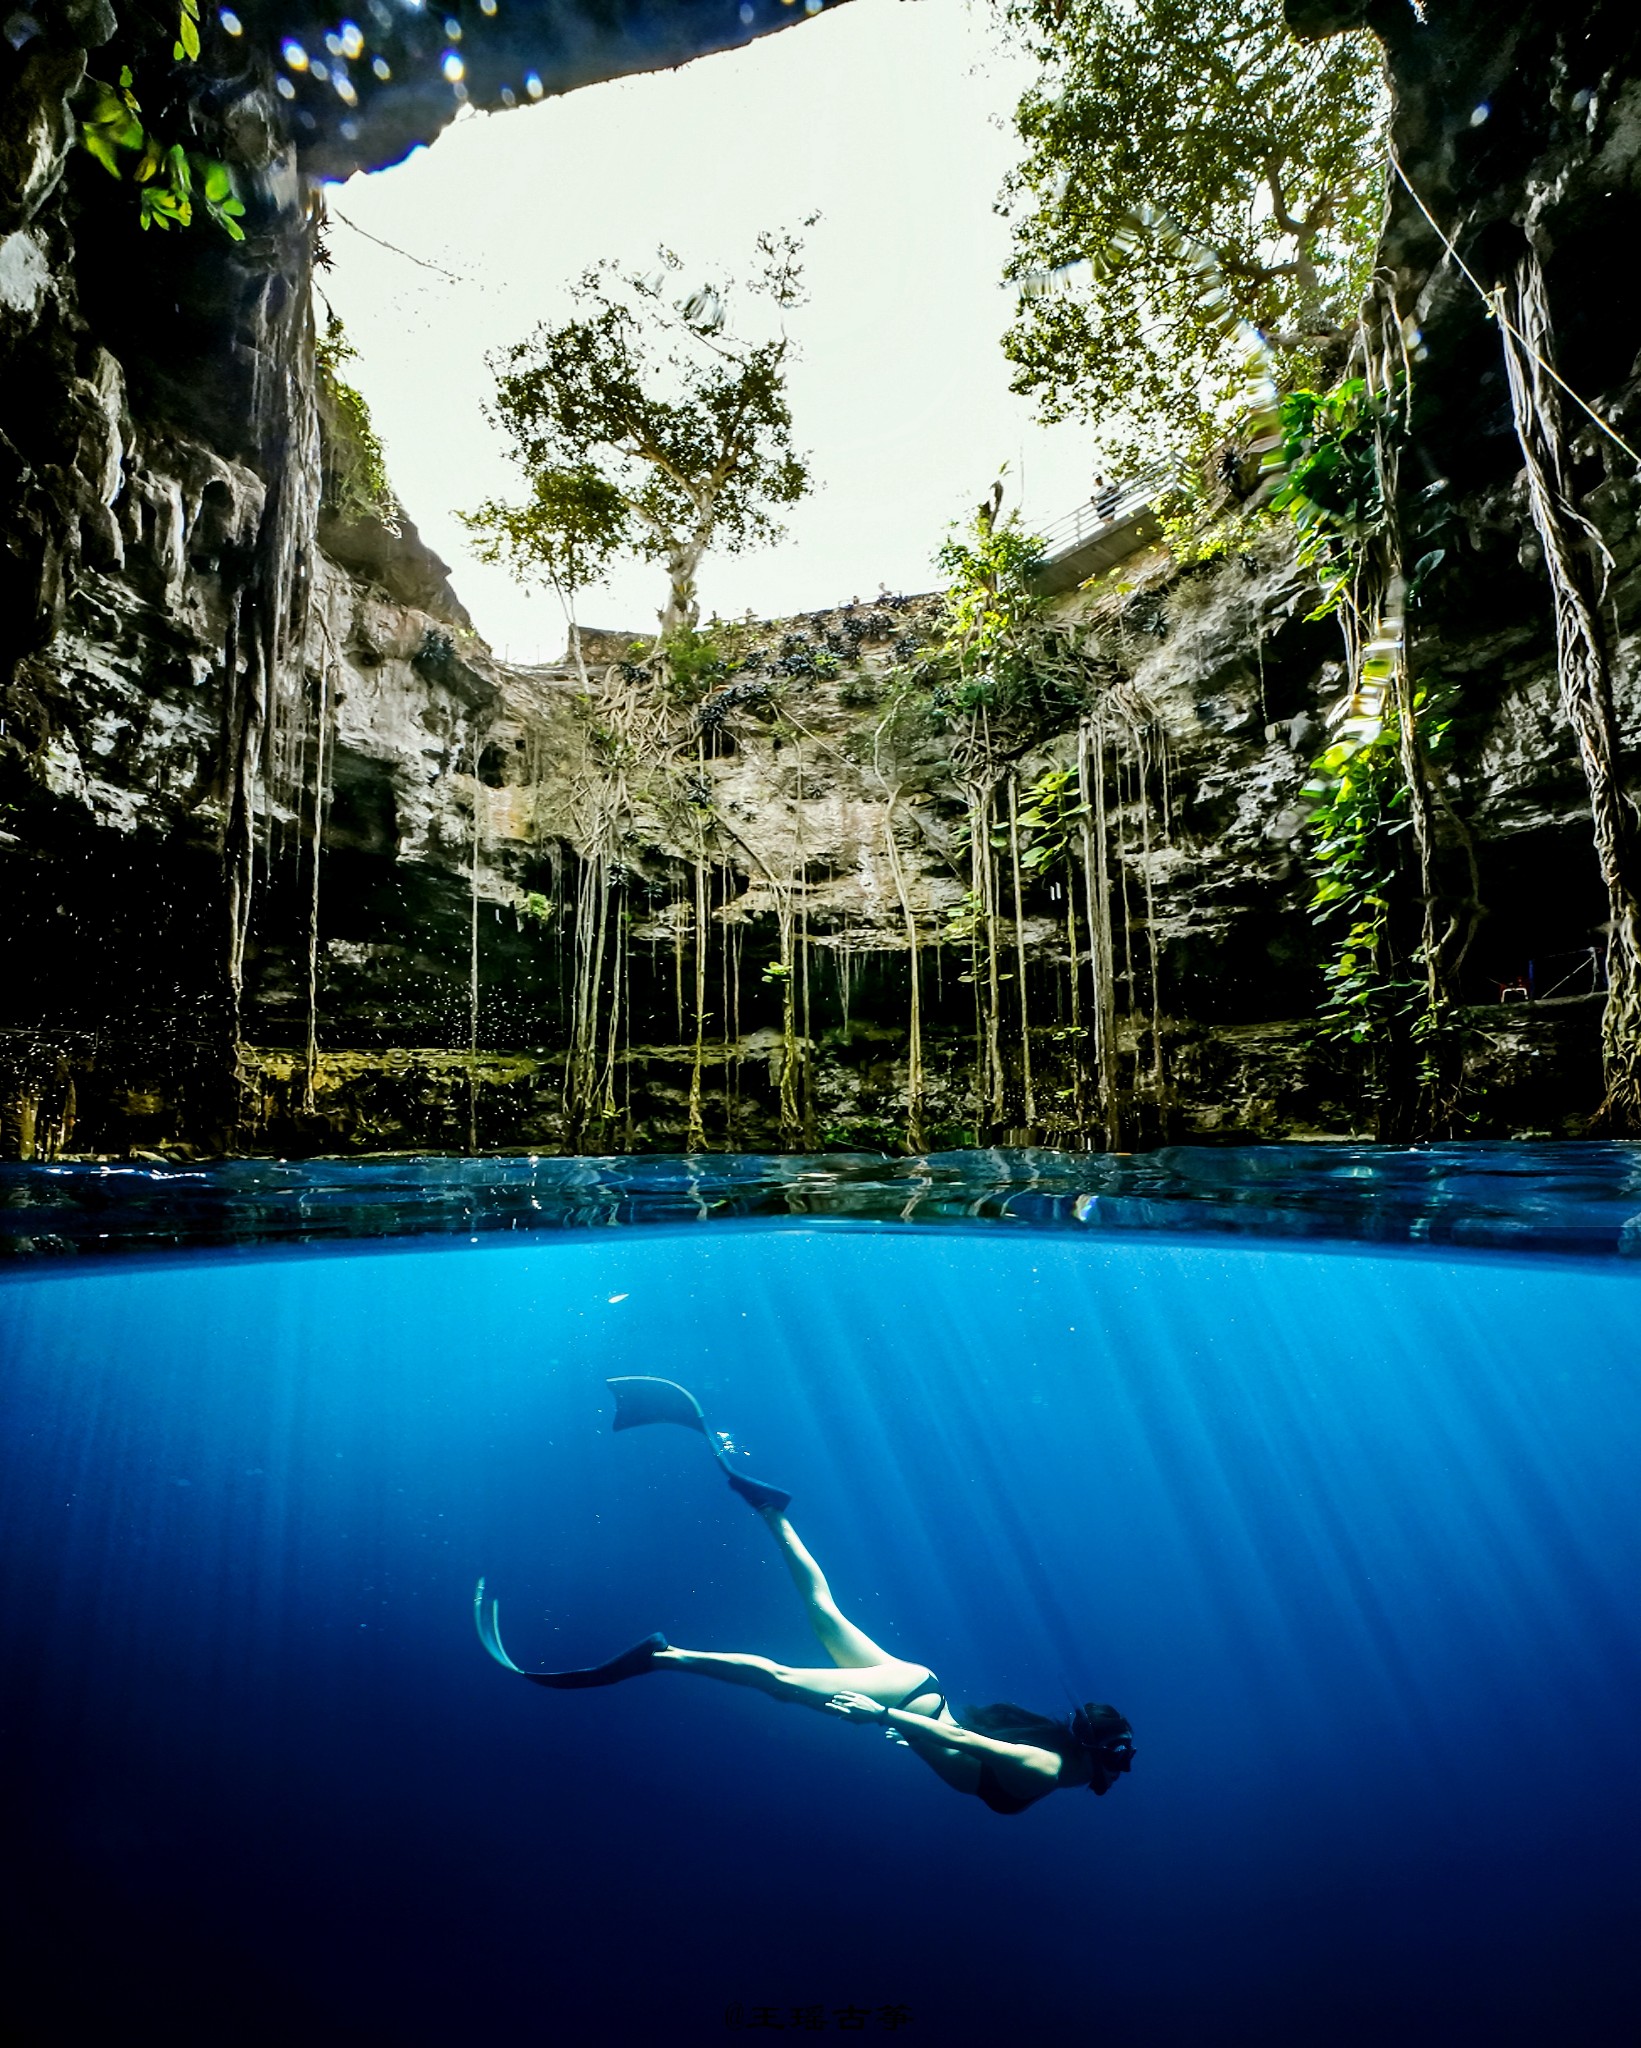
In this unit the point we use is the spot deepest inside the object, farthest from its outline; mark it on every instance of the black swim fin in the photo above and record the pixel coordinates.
(639, 1399)
(631, 1663)
(756, 1494)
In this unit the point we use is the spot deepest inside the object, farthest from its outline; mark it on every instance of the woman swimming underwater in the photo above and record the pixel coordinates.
(1004, 1755)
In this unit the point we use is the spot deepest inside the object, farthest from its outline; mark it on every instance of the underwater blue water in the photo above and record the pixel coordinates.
(1353, 1536)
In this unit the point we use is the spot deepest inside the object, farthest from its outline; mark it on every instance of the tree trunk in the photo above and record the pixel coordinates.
(683, 612)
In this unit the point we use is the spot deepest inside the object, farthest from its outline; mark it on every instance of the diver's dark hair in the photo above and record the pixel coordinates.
(1107, 1740)
(1096, 1733)
(1010, 1723)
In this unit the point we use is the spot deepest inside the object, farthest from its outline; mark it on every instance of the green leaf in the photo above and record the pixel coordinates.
(108, 126)
(164, 208)
(99, 146)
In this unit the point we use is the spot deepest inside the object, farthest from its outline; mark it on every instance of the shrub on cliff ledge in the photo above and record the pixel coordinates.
(355, 482)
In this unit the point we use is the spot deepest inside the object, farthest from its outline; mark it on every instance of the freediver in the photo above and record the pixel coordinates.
(1006, 1756)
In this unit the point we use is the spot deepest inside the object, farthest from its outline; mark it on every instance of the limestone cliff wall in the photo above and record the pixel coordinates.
(807, 828)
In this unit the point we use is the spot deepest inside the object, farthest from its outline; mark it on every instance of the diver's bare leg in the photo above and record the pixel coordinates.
(885, 1679)
(760, 1673)
(847, 1646)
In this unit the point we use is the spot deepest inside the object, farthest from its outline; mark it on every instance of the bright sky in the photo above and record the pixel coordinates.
(890, 118)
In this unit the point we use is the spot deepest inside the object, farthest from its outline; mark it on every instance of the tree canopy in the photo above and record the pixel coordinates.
(1195, 211)
(650, 424)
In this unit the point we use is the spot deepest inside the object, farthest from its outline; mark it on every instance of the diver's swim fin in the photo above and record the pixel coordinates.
(756, 1494)
(488, 1624)
(630, 1664)
(639, 1400)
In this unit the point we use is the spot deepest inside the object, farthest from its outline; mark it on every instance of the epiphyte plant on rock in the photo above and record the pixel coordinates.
(172, 179)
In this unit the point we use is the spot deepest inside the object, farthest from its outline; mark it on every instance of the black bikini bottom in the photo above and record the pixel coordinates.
(922, 1690)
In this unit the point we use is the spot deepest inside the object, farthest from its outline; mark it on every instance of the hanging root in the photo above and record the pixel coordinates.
(1101, 948)
(914, 1051)
(1570, 544)
(696, 1140)
(321, 793)
(1028, 1093)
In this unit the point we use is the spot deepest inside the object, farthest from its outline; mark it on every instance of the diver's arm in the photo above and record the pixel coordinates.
(928, 1737)
(923, 1735)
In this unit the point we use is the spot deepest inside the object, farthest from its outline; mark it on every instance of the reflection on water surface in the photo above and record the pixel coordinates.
(1568, 1198)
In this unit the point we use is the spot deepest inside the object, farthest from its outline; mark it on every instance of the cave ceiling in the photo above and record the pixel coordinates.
(490, 54)
(366, 83)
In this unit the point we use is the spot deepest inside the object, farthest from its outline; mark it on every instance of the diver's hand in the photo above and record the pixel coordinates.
(855, 1706)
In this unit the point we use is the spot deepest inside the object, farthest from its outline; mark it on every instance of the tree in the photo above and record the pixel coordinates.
(1199, 198)
(647, 424)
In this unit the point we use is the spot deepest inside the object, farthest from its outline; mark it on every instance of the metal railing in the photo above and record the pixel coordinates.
(1107, 509)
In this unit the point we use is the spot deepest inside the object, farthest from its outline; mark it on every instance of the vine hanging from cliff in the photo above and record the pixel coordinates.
(355, 482)
(1575, 563)
(1374, 983)
(1388, 984)
(1005, 679)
